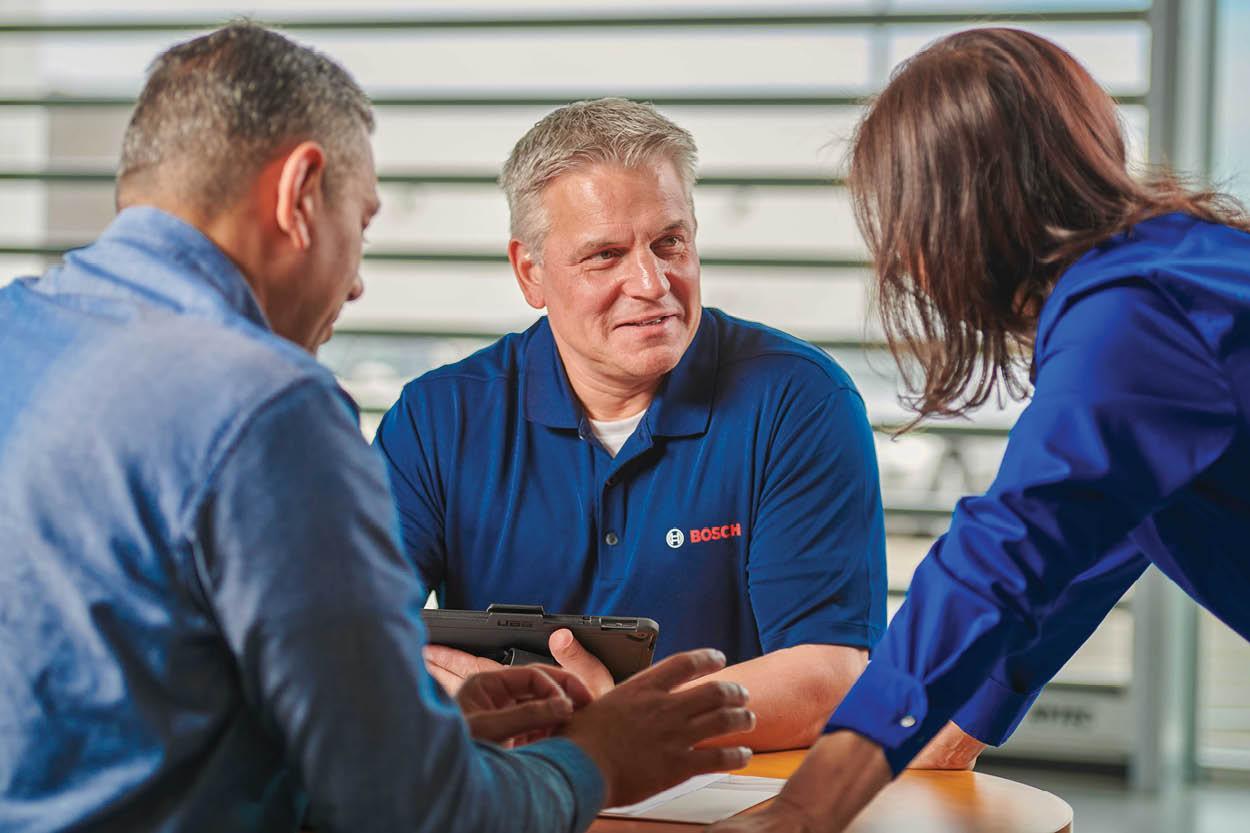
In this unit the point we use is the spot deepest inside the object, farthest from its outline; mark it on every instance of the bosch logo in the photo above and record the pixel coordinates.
(676, 537)
(715, 533)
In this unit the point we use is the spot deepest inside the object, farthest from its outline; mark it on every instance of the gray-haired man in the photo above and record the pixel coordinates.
(636, 454)
(205, 619)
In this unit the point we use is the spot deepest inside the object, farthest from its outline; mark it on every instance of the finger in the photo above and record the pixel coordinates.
(457, 662)
(532, 716)
(508, 685)
(720, 722)
(677, 669)
(572, 684)
(715, 694)
(571, 655)
(715, 759)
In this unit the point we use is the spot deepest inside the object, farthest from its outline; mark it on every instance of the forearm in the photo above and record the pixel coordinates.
(793, 691)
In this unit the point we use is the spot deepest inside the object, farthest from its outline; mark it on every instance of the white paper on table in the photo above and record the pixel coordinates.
(703, 799)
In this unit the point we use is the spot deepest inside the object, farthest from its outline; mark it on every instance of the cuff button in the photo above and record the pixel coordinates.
(907, 722)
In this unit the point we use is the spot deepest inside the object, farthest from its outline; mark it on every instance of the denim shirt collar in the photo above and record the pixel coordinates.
(168, 261)
(682, 405)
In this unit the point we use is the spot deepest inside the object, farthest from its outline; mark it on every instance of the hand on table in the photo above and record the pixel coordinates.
(641, 734)
(951, 748)
(780, 816)
(513, 706)
(837, 779)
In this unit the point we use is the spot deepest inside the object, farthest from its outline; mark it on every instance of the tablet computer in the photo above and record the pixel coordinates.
(517, 634)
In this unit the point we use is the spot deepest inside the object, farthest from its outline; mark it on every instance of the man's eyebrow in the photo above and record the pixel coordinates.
(597, 243)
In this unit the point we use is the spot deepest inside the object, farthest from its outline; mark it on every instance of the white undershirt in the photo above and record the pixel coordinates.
(612, 434)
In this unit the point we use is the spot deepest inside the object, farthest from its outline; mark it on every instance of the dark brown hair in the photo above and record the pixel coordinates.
(987, 166)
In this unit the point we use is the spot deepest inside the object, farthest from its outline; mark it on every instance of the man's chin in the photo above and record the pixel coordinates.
(652, 363)
(313, 345)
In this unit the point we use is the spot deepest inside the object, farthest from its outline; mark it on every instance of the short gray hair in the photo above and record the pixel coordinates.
(218, 107)
(613, 130)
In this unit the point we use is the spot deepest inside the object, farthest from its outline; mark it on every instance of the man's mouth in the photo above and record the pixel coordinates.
(654, 321)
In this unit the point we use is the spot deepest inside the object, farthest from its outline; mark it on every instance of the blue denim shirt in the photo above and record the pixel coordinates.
(205, 619)
(1133, 451)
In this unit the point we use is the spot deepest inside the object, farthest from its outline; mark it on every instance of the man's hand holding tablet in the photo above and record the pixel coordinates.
(452, 667)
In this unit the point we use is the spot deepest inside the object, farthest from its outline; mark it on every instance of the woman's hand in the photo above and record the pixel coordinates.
(951, 748)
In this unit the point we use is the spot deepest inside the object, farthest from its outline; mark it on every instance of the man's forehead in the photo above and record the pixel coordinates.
(604, 196)
(588, 230)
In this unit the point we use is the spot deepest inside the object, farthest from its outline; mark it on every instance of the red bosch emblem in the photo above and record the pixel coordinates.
(715, 533)
(675, 537)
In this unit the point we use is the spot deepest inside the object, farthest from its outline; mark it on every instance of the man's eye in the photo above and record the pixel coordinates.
(606, 254)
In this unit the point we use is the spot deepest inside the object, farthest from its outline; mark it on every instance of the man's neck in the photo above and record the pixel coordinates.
(605, 398)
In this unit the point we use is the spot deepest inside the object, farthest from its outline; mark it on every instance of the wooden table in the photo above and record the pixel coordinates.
(922, 801)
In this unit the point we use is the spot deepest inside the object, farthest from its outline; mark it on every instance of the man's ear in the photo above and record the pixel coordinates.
(528, 273)
(300, 192)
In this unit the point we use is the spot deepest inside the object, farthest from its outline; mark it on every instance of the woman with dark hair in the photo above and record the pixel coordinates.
(990, 181)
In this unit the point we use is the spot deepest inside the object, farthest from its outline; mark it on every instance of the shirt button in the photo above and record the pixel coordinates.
(611, 540)
(907, 722)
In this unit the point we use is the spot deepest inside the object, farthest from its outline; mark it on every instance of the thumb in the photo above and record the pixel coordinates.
(572, 656)
(535, 715)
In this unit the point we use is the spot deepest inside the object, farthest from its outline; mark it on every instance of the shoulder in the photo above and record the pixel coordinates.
(495, 366)
(233, 368)
(765, 358)
(1173, 263)
(218, 382)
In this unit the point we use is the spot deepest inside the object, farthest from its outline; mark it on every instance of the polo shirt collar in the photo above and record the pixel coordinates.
(149, 252)
(682, 405)
(548, 397)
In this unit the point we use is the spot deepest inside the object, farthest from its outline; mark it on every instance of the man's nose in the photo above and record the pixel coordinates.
(647, 278)
(358, 288)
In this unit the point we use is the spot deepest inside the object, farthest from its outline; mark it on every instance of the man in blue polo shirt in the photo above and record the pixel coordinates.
(633, 453)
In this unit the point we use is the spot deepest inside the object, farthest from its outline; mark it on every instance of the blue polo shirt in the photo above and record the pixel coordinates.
(1134, 450)
(744, 513)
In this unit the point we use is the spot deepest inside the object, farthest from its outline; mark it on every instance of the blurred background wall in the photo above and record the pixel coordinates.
(771, 92)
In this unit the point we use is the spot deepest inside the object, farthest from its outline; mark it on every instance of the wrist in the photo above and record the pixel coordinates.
(601, 761)
(841, 774)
